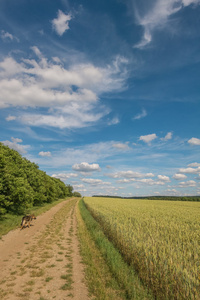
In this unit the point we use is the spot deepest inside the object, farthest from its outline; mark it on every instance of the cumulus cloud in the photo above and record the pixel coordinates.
(189, 170)
(85, 167)
(141, 115)
(157, 16)
(190, 183)
(163, 178)
(61, 23)
(194, 141)
(14, 144)
(178, 176)
(148, 138)
(167, 137)
(42, 153)
(72, 93)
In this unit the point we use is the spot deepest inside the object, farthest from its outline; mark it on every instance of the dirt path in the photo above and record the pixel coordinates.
(43, 261)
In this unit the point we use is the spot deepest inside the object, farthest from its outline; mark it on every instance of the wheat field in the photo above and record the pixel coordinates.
(160, 239)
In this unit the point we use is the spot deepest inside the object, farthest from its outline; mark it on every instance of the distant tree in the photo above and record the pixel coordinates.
(76, 194)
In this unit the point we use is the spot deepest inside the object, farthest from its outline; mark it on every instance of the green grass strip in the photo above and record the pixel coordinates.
(124, 274)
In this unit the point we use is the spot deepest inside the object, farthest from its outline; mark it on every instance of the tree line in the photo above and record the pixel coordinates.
(23, 185)
(168, 198)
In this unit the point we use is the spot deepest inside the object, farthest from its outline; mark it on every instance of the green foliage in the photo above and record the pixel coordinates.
(23, 185)
(77, 194)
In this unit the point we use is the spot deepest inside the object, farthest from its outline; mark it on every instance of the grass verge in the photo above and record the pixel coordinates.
(107, 275)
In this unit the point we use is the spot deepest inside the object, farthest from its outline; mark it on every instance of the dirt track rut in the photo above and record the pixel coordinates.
(43, 261)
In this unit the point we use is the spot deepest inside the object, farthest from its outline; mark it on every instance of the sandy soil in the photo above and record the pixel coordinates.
(43, 261)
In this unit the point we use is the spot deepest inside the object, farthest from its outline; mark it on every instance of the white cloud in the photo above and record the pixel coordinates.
(167, 137)
(194, 141)
(125, 174)
(121, 146)
(148, 138)
(42, 153)
(78, 186)
(189, 170)
(149, 175)
(125, 180)
(71, 93)
(178, 176)
(89, 153)
(163, 178)
(85, 167)
(93, 181)
(14, 145)
(141, 115)
(157, 16)
(195, 164)
(69, 116)
(10, 118)
(8, 36)
(114, 121)
(61, 23)
(64, 176)
(190, 183)
(150, 181)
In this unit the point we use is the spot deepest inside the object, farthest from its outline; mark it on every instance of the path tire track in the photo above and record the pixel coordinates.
(43, 261)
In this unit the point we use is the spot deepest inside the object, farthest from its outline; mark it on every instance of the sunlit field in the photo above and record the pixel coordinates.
(160, 239)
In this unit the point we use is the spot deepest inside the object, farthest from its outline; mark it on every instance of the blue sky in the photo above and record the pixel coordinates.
(104, 95)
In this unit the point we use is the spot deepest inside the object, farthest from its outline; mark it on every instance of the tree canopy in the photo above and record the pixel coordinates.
(23, 185)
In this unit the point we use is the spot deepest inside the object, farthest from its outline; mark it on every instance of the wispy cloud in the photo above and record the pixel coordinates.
(129, 174)
(61, 23)
(141, 115)
(10, 118)
(64, 176)
(6, 36)
(157, 17)
(121, 146)
(95, 182)
(113, 121)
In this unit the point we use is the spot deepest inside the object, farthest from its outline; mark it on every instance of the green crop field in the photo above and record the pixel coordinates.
(159, 239)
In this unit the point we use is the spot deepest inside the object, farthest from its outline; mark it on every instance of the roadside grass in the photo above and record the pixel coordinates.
(10, 221)
(107, 274)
